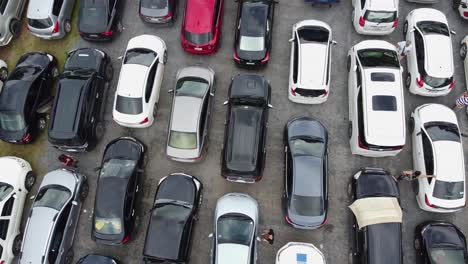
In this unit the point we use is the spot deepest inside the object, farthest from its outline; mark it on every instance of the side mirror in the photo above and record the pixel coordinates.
(225, 102)
(333, 42)
(211, 94)
(453, 32)
(120, 58)
(170, 91)
(291, 40)
(270, 106)
(32, 197)
(210, 235)
(15, 196)
(75, 203)
(401, 68)
(418, 134)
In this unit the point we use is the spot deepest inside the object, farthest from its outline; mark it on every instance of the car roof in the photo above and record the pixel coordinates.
(254, 18)
(449, 161)
(199, 15)
(313, 73)
(249, 85)
(132, 80)
(308, 176)
(186, 114)
(383, 5)
(228, 253)
(111, 196)
(39, 9)
(439, 58)
(387, 250)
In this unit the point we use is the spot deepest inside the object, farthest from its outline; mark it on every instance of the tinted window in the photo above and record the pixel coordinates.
(363, 3)
(433, 27)
(442, 131)
(192, 87)
(198, 38)
(254, 19)
(235, 229)
(428, 155)
(252, 43)
(5, 190)
(382, 77)
(24, 73)
(183, 140)
(306, 147)
(435, 82)
(307, 205)
(3, 4)
(140, 56)
(295, 59)
(384, 103)
(419, 47)
(129, 105)
(378, 58)
(380, 17)
(216, 11)
(57, 7)
(53, 197)
(11, 121)
(150, 82)
(446, 256)
(40, 23)
(449, 190)
(313, 34)
(310, 92)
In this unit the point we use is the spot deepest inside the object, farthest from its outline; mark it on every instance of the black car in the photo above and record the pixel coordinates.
(97, 259)
(76, 123)
(244, 147)
(158, 11)
(305, 196)
(117, 188)
(253, 39)
(376, 243)
(172, 219)
(99, 20)
(439, 242)
(26, 96)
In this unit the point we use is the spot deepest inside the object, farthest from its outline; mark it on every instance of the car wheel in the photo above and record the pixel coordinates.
(15, 27)
(84, 191)
(463, 51)
(69, 257)
(99, 130)
(408, 80)
(68, 26)
(352, 16)
(145, 159)
(3, 74)
(109, 73)
(350, 130)
(165, 57)
(417, 244)
(411, 125)
(30, 180)
(17, 242)
(41, 123)
(405, 28)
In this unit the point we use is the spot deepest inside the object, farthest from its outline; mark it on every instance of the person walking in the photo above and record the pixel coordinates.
(461, 101)
(403, 49)
(268, 236)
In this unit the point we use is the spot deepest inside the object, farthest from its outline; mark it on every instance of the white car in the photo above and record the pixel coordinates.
(235, 235)
(463, 53)
(462, 7)
(376, 106)
(3, 73)
(309, 70)
(137, 94)
(375, 17)
(16, 181)
(430, 61)
(297, 252)
(438, 151)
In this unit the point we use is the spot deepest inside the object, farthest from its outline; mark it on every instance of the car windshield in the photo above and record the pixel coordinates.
(53, 197)
(380, 16)
(108, 226)
(235, 229)
(129, 105)
(384, 103)
(143, 57)
(447, 256)
(449, 190)
(154, 4)
(117, 168)
(436, 82)
(183, 140)
(442, 131)
(11, 121)
(307, 205)
(306, 147)
(313, 34)
(192, 87)
(433, 27)
(24, 73)
(40, 23)
(252, 43)
(198, 38)
(5, 190)
(378, 58)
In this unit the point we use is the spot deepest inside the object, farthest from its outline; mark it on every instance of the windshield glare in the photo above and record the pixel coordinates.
(183, 140)
(449, 190)
(192, 87)
(306, 147)
(252, 43)
(235, 229)
(446, 256)
(11, 121)
(117, 168)
(143, 57)
(378, 58)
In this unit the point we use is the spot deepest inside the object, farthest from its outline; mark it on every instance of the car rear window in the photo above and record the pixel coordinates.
(192, 87)
(382, 77)
(442, 131)
(129, 105)
(380, 16)
(11, 121)
(384, 103)
(252, 43)
(449, 190)
(310, 92)
(198, 38)
(313, 34)
(40, 23)
(183, 140)
(307, 205)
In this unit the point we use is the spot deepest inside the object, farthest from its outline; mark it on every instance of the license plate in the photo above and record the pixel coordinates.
(250, 63)
(94, 35)
(198, 49)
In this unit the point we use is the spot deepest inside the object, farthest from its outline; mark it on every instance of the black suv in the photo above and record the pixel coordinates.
(25, 97)
(78, 107)
(243, 157)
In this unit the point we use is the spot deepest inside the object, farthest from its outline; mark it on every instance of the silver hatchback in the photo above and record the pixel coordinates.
(50, 19)
(10, 16)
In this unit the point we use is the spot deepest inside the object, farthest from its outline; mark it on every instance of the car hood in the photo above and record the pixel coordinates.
(232, 254)
(251, 55)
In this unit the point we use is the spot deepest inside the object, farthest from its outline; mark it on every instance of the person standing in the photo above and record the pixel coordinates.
(403, 49)
(410, 175)
(268, 236)
(461, 101)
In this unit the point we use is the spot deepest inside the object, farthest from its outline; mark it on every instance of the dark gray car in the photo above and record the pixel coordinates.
(10, 16)
(52, 221)
(305, 197)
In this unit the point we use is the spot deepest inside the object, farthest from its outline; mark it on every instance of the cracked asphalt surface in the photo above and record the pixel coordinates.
(334, 238)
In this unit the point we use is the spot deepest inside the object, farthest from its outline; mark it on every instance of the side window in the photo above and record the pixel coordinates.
(201, 130)
(428, 154)
(358, 75)
(296, 59)
(3, 5)
(216, 12)
(363, 3)
(289, 180)
(130, 196)
(58, 234)
(150, 82)
(419, 47)
(57, 7)
(360, 113)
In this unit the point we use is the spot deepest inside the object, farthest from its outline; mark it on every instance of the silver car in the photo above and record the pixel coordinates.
(10, 16)
(50, 19)
(235, 235)
(52, 221)
(191, 114)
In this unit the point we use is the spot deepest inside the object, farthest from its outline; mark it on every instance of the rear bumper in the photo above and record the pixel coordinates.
(307, 100)
(364, 31)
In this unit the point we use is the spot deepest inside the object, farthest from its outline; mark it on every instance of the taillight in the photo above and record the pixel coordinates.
(452, 84)
(428, 203)
(56, 27)
(397, 148)
(146, 120)
(362, 22)
(126, 239)
(108, 33)
(395, 23)
(169, 15)
(465, 14)
(2, 262)
(267, 57)
(325, 94)
(361, 145)
(27, 138)
(293, 91)
(419, 81)
(236, 58)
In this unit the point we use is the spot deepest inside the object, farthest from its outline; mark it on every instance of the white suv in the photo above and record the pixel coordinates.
(376, 107)
(375, 17)
(430, 62)
(438, 151)
(309, 70)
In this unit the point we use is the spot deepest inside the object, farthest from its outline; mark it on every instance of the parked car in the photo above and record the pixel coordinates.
(438, 151)
(192, 104)
(77, 115)
(463, 53)
(3, 73)
(376, 231)
(99, 20)
(201, 26)
(254, 30)
(50, 19)
(137, 96)
(26, 97)
(14, 188)
(375, 17)
(430, 64)
(117, 190)
(10, 20)
(376, 104)
(53, 218)
(300, 253)
(235, 230)
(158, 11)
(244, 147)
(309, 80)
(175, 208)
(305, 194)
(97, 259)
(438, 242)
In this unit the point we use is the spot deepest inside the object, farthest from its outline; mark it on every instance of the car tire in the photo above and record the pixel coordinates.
(408, 80)
(84, 191)
(69, 257)
(155, 110)
(145, 160)
(200, 200)
(350, 130)
(405, 29)
(3, 74)
(67, 26)
(463, 51)
(417, 244)
(17, 243)
(15, 27)
(109, 72)
(29, 181)
(119, 26)
(411, 125)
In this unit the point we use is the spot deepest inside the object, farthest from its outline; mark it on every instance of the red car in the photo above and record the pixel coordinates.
(201, 27)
